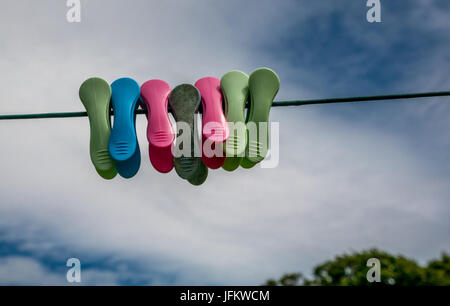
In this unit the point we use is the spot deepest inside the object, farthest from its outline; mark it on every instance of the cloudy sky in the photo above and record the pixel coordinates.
(350, 176)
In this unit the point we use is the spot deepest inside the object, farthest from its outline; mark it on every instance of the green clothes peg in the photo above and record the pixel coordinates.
(95, 94)
(246, 164)
(185, 101)
(200, 175)
(232, 163)
(263, 85)
(108, 174)
(235, 91)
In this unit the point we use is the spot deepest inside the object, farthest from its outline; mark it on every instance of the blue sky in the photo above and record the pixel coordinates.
(350, 177)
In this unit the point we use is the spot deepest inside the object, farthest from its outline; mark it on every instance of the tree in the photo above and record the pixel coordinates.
(291, 279)
(351, 270)
(438, 271)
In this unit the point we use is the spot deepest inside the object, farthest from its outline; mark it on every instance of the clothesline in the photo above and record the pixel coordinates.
(275, 104)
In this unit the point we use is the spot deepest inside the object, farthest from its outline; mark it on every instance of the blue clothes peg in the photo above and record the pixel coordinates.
(123, 144)
(129, 168)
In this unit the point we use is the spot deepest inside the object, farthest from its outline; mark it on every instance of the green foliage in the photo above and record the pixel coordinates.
(438, 271)
(351, 270)
(291, 279)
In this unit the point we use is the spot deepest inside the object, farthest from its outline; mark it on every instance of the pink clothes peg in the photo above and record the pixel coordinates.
(215, 130)
(160, 134)
(161, 158)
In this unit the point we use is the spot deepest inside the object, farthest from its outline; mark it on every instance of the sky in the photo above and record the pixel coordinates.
(351, 176)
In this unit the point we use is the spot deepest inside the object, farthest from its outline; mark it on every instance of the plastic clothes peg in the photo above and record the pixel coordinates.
(123, 143)
(200, 175)
(184, 102)
(95, 94)
(235, 91)
(160, 135)
(263, 85)
(215, 128)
